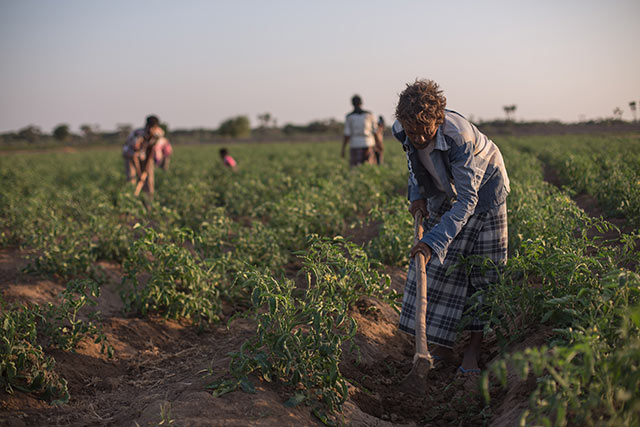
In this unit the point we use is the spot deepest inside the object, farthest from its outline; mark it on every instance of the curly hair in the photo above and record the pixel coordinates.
(421, 104)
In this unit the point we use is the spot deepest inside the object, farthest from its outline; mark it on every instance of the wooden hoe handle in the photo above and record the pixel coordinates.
(422, 351)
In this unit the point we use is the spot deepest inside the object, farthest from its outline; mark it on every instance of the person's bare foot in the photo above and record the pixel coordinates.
(472, 354)
(470, 361)
(439, 352)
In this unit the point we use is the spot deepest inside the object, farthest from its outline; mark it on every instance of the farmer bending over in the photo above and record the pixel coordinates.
(138, 153)
(457, 179)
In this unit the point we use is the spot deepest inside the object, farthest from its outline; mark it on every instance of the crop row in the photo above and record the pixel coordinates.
(211, 236)
(187, 253)
(561, 277)
(607, 168)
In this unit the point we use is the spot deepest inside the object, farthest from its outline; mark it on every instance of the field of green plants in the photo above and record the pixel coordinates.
(304, 251)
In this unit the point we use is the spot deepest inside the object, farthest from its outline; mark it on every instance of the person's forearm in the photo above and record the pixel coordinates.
(136, 164)
(138, 144)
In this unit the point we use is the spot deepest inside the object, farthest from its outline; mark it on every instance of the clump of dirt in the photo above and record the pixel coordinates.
(364, 233)
(21, 288)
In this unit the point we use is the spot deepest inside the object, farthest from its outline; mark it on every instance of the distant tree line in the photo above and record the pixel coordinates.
(267, 129)
(237, 127)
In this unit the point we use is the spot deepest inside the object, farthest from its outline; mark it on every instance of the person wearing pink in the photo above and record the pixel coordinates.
(227, 159)
(162, 153)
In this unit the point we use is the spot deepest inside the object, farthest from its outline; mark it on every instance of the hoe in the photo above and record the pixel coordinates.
(422, 360)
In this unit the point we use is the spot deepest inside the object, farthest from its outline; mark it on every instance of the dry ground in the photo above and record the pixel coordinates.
(160, 368)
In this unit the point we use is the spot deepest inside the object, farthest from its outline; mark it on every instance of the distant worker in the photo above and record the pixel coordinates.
(458, 181)
(138, 153)
(227, 160)
(162, 153)
(379, 148)
(360, 133)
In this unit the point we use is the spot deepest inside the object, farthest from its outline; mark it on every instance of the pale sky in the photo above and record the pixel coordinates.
(197, 63)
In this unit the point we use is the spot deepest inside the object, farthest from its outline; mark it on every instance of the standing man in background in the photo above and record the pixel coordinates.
(360, 133)
(379, 149)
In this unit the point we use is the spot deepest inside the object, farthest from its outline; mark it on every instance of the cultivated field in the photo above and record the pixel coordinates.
(269, 296)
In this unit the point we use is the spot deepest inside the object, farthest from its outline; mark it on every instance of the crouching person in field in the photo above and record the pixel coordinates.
(227, 160)
(162, 153)
(138, 154)
(458, 180)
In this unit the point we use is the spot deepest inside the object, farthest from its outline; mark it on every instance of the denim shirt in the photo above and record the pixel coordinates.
(470, 168)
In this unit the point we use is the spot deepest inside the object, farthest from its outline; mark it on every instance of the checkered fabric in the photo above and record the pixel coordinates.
(484, 235)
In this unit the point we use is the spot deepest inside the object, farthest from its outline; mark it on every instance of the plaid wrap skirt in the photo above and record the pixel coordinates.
(451, 283)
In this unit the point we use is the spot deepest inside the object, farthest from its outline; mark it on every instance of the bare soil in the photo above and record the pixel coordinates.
(160, 368)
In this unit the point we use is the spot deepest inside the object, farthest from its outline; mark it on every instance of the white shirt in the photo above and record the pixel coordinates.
(360, 127)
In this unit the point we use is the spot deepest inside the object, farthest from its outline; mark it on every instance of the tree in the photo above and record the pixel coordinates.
(617, 113)
(124, 129)
(89, 131)
(236, 127)
(509, 110)
(61, 132)
(327, 126)
(264, 120)
(30, 133)
(632, 105)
